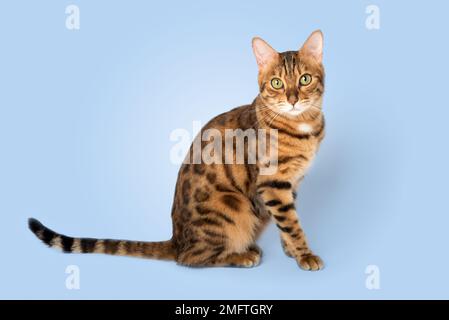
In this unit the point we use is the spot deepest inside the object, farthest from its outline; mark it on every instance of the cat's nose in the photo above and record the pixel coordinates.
(292, 99)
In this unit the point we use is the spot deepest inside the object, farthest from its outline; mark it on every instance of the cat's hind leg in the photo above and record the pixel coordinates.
(248, 259)
(217, 258)
(255, 248)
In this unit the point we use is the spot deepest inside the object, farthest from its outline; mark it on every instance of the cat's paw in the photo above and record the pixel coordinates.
(310, 262)
(248, 259)
(251, 259)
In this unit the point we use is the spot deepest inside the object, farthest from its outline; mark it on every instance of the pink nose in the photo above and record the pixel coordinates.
(292, 99)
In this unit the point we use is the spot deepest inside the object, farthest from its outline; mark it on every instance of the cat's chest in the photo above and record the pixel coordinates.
(304, 128)
(298, 156)
(303, 142)
(297, 153)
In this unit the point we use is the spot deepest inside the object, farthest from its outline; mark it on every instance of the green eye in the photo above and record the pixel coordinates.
(305, 79)
(277, 83)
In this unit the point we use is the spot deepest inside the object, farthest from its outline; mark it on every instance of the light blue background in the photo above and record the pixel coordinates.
(84, 133)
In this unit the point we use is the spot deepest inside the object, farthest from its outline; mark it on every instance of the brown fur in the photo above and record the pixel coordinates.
(219, 210)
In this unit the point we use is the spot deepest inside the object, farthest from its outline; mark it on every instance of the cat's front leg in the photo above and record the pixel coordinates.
(279, 199)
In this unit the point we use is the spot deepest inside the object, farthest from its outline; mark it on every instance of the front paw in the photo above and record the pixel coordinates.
(310, 262)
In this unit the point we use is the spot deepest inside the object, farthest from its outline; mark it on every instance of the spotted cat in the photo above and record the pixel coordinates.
(219, 210)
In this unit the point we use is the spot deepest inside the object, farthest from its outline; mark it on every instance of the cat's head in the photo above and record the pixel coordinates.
(291, 82)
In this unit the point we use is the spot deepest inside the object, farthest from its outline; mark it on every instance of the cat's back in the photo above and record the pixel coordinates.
(242, 117)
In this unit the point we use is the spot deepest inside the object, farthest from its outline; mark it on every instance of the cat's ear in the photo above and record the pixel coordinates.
(264, 53)
(314, 46)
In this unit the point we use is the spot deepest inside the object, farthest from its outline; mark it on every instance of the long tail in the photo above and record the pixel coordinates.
(163, 250)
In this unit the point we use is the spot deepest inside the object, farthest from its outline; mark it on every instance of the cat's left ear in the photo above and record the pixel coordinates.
(264, 53)
(314, 46)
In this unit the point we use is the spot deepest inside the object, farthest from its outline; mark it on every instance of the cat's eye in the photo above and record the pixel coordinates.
(277, 83)
(305, 79)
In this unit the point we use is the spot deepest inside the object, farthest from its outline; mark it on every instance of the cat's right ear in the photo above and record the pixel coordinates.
(264, 53)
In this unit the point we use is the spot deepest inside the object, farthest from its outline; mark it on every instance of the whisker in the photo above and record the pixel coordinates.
(278, 113)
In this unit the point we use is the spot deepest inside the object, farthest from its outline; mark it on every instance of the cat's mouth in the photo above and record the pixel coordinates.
(293, 110)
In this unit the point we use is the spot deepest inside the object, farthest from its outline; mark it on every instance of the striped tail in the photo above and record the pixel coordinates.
(162, 250)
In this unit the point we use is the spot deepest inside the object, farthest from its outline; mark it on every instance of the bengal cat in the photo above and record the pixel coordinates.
(219, 210)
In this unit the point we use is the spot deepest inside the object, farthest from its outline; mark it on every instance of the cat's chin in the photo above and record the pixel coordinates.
(294, 113)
